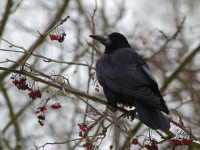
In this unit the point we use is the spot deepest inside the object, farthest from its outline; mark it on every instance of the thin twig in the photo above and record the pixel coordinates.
(47, 59)
(168, 39)
(63, 89)
(33, 47)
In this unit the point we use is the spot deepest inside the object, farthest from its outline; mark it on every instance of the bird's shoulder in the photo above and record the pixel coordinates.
(121, 56)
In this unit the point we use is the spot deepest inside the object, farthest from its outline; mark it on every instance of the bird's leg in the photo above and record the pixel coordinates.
(132, 112)
(112, 107)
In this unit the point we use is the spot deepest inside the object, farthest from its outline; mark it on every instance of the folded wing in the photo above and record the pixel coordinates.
(125, 72)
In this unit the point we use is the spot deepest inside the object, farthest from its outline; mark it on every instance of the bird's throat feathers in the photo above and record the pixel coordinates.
(114, 47)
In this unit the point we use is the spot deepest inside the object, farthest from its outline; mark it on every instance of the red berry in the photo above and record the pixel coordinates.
(80, 134)
(123, 106)
(36, 112)
(146, 146)
(84, 130)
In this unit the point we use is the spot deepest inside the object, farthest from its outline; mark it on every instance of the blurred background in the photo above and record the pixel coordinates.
(166, 33)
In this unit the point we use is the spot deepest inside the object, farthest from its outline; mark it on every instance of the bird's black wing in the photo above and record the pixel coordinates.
(124, 71)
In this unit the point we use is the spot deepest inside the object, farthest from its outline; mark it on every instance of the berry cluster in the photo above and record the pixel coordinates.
(183, 141)
(126, 105)
(129, 117)
(20, 83)
(97, 88)
(83, 127)
(111, 147)
(89, 146)
(56, 105)
(40, 109)
(126, 116)
(152, 145)
(35, 94)
(60, 38)
(41, 117)
(135, 141)
(187, 141)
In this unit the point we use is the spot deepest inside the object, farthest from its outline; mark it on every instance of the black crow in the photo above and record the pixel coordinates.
(127, 79)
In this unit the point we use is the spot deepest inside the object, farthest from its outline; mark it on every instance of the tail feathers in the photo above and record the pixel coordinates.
(152, 117)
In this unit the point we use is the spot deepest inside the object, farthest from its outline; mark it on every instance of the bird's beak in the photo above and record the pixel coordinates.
(105, 40)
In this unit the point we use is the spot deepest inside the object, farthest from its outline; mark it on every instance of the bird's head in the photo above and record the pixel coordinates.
(113, 41)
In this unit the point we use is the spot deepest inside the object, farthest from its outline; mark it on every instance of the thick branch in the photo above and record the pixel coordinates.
(12, 117)
(5, 16)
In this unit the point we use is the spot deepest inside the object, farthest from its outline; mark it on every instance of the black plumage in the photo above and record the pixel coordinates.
(126, 78)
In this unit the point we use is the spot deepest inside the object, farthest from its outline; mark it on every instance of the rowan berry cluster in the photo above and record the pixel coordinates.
(187, 141)
(89, 146)
(57, 37)
(152, 145)
(183, 141)
(40, 109)
(41, 117)
(135, 141)
(35, 94)
(97, 88)
(56, 105)
(83, 127)
(126, 105)
(126, 116)
(129, 117)
(20, 82)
